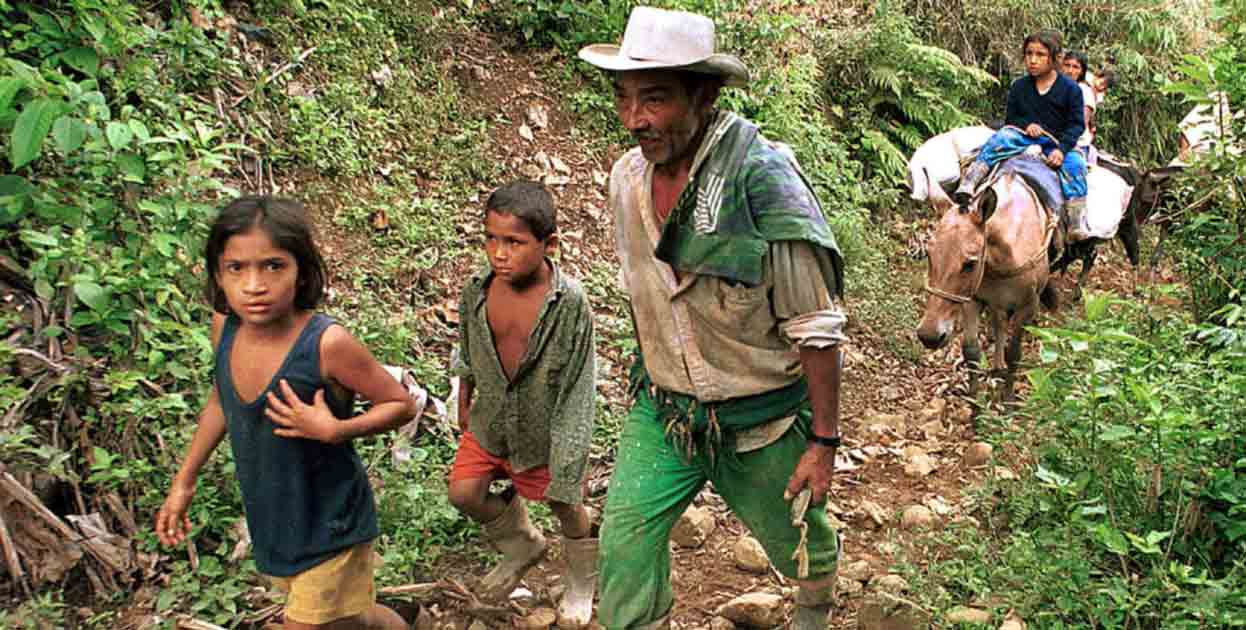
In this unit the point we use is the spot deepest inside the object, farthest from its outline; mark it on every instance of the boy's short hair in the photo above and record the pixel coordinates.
(1048, 38)
(530, 202)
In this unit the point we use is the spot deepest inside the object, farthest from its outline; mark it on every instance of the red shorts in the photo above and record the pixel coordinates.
(472, 461)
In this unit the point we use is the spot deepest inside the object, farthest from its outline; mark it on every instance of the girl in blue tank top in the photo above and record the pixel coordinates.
(285, 379)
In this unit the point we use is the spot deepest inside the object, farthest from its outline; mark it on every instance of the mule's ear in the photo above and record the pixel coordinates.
(986, 205)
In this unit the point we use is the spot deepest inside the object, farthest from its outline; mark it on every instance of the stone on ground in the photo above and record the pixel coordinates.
(721, 623)
(965, 614)
(750, 556)
(917, 516)
(891, 583)
(1013, 622)
(875, 512)
(693, 528)
(885, 612)
(978, 454)
(756, 610)
(540, 618)
(858, 570)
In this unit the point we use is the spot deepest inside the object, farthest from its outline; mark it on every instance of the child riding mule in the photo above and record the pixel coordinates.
(993, 254)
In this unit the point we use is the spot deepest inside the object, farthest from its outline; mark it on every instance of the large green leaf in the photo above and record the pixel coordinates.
(119, 134)
(69, 133)
(30, 129)
(82, 59)
(14, 185)
(9, 87)
(91, 294)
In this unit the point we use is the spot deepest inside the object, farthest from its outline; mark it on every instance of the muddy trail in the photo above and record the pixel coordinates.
(909, 439)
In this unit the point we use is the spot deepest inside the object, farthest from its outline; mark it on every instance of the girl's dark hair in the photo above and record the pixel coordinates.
(528, 201)
(285, 222)
(1081, 58)
(1049, 39)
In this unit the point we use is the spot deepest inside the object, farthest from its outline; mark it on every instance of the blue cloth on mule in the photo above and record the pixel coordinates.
(1010, 141)
(1042, 178)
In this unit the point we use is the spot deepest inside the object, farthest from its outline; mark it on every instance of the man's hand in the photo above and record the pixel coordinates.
(814, 470)
(172, 522)
(1034, 130)
(296, 419)
(1055, 159)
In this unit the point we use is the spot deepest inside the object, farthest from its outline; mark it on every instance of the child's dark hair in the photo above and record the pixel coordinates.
(528, 201)
(285, 222)
(1048, 38)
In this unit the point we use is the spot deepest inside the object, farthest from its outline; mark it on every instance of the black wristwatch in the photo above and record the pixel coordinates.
(833, 441)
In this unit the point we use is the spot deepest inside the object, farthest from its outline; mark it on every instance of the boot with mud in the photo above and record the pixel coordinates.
(1074, 213)
(576, 608)
(969, 183)
(813, 605)
(522, 547)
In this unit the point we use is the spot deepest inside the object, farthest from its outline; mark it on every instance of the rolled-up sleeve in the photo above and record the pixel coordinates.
(804, 283)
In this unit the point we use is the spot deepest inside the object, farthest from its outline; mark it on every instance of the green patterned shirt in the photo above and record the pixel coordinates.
(545, 415)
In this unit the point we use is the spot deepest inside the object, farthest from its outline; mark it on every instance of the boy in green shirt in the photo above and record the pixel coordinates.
(526, 357)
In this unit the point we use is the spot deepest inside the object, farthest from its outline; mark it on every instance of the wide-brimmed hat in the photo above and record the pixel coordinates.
(657, 38)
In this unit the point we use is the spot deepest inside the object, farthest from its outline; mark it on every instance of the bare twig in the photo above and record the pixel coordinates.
(421, 590)
(42, 357)
(10, 555)
(190, 623)
(280, 71)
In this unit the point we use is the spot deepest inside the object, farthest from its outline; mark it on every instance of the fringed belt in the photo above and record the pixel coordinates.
(691, 424)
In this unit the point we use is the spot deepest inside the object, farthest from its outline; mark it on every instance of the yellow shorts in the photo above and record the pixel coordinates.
(337, 588)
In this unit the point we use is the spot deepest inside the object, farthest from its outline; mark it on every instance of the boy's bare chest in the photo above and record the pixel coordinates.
(512, 318)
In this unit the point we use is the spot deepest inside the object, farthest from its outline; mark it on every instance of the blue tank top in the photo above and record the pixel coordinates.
(305, 500)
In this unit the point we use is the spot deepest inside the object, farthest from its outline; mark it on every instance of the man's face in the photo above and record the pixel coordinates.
(1038, 60)
(658, 111)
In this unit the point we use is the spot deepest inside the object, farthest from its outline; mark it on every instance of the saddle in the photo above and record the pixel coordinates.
(1042, 179)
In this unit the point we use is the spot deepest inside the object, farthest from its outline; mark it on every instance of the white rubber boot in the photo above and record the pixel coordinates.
(522, 546)
(576, 608)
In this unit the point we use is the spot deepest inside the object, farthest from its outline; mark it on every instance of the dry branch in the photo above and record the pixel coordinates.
(418, 591)
(10, 552)
(32, 503)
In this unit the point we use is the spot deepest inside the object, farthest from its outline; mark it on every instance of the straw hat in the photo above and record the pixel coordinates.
(657, 38)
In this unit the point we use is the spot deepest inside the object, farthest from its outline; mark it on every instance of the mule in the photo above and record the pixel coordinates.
(992, 255)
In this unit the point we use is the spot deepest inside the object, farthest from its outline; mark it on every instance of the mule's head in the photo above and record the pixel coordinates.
(954, 256)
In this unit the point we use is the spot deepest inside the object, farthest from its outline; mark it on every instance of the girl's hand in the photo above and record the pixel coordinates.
(172, 522)
(1055, 159)
(296, 419)
(1034, 130)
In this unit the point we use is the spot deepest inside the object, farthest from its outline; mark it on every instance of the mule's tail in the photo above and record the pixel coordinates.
(1049, 297)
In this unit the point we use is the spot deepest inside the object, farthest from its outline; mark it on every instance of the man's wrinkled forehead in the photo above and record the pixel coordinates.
(646, 79)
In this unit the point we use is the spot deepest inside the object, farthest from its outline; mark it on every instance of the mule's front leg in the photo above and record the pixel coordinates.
(970, 347)
(1088, 263)
(1012, 358)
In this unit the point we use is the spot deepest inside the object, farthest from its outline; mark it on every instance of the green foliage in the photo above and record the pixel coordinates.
(1210, 204)
(895, 90)
(1132, 515)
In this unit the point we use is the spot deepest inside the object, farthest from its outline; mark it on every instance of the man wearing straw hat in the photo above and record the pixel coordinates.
(732, 272)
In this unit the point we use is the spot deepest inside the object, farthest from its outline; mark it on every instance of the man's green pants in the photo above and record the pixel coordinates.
(653, 484)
